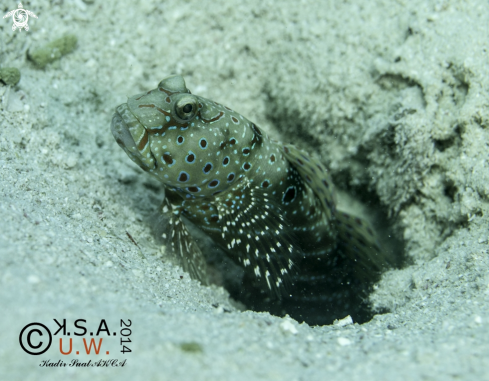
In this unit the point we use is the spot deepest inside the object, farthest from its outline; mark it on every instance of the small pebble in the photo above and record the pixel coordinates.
(343, 341)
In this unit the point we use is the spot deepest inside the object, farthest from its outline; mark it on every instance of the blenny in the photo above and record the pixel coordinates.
(270, 206)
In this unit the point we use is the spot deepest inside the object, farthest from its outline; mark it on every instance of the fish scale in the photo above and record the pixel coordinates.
(269, 206)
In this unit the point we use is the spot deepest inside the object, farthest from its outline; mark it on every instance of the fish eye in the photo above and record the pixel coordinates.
(186, 108)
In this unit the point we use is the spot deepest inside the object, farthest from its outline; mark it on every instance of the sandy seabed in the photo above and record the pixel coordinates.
(393, 96)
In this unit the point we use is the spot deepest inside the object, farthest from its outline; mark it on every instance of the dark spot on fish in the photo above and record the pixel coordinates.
(223, 145)
(326, 184)
(168, 100)
(286, 149)
(289, 195)
(300, 161)
(231, 177)
(207, 168)
(272, 158)
(167, 158)
(358, 221)
(203, 143)
(183, 177)
(235, 120)
(180, 139)
(256, 130)
(213, 184)
(246, 151)
(190, 158)
(308, 178)
(265, 184)
(225, 161)
(193, 189)
(232, 141)
(246, 166)
(256, 135)
(214, 218)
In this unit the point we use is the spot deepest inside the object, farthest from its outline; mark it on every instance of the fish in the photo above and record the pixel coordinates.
(269, 206)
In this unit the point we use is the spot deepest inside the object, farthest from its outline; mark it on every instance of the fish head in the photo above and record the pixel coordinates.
(190, 143)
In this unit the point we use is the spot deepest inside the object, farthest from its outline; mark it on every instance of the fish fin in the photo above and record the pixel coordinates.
(177, 237)
(258, 236)
(356, 238)
(358, 241)
(315, 175)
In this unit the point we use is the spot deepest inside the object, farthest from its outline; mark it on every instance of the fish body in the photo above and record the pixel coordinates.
(268, 205)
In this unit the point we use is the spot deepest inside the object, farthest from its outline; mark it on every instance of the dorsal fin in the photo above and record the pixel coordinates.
(315, 175)
(359, 242)
(356, 239)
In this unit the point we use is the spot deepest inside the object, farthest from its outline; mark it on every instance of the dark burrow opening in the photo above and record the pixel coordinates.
(341, 292)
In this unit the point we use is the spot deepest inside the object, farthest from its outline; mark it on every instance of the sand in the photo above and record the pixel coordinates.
(393, 96)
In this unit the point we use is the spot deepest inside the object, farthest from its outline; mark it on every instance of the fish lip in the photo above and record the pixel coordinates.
(122, 120)
(120, 131)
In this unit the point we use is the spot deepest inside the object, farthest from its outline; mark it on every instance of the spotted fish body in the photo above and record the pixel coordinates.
(270, 206)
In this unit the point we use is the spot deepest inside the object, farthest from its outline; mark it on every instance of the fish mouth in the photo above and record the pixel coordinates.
(124, 125)
(121, 132)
